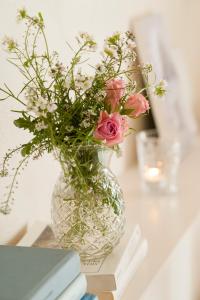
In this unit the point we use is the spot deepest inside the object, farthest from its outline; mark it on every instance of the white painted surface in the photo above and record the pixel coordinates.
(179, 277)
(171, 225)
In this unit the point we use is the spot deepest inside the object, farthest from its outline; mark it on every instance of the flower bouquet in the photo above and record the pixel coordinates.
(77, 116)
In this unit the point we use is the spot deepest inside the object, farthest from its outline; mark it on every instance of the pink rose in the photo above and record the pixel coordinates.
(111, 128)
(114, 92)
(137, 102)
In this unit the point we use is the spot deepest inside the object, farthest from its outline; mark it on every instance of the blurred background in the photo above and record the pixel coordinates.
(64, 19)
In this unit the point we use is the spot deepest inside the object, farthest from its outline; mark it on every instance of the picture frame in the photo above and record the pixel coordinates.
(172, 113)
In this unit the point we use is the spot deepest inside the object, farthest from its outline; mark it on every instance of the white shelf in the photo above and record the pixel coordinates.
(164, 221)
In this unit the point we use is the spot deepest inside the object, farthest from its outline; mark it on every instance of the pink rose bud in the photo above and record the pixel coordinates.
(138, 103)
(114, 92)
(111, 128)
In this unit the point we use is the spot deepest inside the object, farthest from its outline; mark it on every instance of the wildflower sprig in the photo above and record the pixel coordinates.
(61, 105)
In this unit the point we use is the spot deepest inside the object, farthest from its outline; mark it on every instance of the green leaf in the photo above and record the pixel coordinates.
(126, 111)
(26, 150)
(114, 39)
(24, 123)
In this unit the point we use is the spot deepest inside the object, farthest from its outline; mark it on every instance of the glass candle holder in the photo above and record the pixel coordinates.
(158, 161)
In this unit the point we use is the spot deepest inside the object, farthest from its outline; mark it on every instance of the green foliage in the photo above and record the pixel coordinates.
(25, 123)
(61, 104)
(26, 150)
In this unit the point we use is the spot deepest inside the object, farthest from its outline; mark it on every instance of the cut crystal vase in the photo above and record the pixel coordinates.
(87, 203)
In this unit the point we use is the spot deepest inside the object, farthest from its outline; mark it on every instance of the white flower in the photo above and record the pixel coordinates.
(88, 82)
(40, 126)
(131, 45)
(147, 67)
(90, 112)
(82, 81)
(160, 88)
(110, 51)
(80, 77)
(30, 105)
(69, 128)
(42, 103)
(164, 83)
(66, 138)
(40, 113)
(67, 83)
(93, 46)
(51, 107)
(85, 124)
(100, 68)
(85, 36)
(72, 95)
(60, 67)
(9, 43)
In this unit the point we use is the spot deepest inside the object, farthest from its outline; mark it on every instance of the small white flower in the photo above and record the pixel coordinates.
(80, 77)
(90, 112)
(60, 67)
(30, 105)
(93, 47)
(66, 138)
(40, 113)
(160, 88)
(9, 43)
(51, 107)
(42, 103)
(88, 82)
(164, 83)
(72, 95)
(131, 45)
(85, 124)
(86, 36)
(67, 83)
(100, 68)
(40, 126)
(110, 51)
(69, 128)
(147, 67)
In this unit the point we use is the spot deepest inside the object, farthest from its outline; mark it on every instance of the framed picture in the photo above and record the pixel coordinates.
(172, 113)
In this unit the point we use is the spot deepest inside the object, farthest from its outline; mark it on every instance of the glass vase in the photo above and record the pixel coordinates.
(87, 203)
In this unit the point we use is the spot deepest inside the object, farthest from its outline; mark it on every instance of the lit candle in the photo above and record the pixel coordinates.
(152, 174)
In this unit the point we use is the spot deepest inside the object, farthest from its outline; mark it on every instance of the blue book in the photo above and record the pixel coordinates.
(76, 290)
(89, 297)
(35, 273)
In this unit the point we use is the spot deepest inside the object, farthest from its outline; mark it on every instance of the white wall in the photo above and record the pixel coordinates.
(63, 20)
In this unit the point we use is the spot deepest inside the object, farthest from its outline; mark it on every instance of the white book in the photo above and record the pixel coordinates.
(76, 290)
(105, 274)
(127, 275)
(133, 266)
(32, 234)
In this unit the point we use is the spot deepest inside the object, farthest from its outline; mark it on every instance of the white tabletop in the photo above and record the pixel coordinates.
(163, 219)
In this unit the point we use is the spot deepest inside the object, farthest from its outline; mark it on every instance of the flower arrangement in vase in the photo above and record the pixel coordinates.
(77, 116)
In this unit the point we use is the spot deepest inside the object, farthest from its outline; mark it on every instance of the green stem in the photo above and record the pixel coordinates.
(10, 94)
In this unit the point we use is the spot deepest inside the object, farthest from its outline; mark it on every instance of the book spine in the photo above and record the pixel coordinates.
(76, 289)
(59, 279)
(89, 297)
(108, 296)
(98, 282)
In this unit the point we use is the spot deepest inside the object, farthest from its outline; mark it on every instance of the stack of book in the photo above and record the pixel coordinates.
(109, 277)
(38, 274)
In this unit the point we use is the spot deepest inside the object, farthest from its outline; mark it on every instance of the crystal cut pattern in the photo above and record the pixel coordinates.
(88, 218)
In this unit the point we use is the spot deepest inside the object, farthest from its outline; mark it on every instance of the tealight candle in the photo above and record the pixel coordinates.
(152, 174)
(158, 160)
